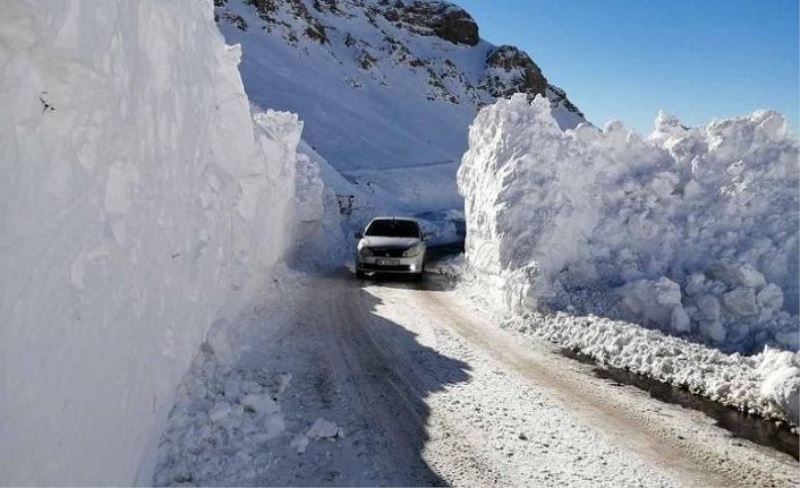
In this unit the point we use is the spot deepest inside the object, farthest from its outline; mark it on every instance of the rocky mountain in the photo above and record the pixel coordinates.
(387, 89)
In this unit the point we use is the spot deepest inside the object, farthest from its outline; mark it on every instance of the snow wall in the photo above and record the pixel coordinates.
(693, 231)
(141, 203)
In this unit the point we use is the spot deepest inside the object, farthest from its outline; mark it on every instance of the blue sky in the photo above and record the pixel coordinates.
(626, 59)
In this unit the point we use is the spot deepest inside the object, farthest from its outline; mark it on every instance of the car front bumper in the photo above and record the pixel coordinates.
(377, 264)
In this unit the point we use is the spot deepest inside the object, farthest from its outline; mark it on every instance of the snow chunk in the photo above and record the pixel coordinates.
(300, 443)
(781, 372)
(262, 404)
(770, 299)
(324, 429)
(219, 411)
(741, 301)
(734, 275)
(679, 321)
(657, 303)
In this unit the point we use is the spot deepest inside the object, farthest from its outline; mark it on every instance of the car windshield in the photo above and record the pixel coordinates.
(393, 228)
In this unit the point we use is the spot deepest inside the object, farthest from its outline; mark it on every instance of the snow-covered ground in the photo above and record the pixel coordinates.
(142, 203)
(328, 381)
(693, 232)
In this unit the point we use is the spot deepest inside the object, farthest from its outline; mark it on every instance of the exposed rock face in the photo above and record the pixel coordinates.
(558, 96)
(268, 10)
(265, 6)
(510, 71)
(458, 27)
(442, 19)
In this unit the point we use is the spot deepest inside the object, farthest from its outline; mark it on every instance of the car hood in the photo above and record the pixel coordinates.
(378, 241)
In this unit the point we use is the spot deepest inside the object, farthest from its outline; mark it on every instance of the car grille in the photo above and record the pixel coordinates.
(399, 267)
(388, 252)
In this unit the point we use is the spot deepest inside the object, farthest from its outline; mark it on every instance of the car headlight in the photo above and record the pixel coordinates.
(365, 251)
(413, 251)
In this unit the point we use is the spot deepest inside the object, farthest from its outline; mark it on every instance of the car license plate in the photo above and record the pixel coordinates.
(388, 262)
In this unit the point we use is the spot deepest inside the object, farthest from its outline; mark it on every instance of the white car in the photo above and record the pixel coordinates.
(391, 245)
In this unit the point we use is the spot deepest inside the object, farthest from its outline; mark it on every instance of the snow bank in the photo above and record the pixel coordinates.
(322, 238)
(765, 384)
(141, 203)
(222, 418)
(693, 232)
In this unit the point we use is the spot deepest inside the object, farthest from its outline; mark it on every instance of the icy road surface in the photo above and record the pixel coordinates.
(382, 383)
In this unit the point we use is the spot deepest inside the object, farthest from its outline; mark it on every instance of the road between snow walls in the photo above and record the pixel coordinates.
(331, 381)
(325, 380)
(175, 310)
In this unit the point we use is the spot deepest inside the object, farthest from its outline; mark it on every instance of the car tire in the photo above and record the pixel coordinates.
(360, 274)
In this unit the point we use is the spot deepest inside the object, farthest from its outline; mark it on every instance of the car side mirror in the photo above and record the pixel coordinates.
(426, 236)
(358, 235)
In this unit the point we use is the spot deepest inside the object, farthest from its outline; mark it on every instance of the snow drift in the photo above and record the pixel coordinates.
(141, 203)
(693, 232)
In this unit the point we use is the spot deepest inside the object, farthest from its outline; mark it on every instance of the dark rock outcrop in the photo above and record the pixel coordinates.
(510, 70)
(314, 30)
(265, 6)
(459, 27)
(441, 19)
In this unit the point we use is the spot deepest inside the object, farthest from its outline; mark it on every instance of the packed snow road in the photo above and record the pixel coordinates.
(383, 383)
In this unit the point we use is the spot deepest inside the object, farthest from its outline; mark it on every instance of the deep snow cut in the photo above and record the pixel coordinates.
(693, 231)
(142, 204)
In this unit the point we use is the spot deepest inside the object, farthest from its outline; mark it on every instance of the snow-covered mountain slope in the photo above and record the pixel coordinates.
(141, 203)
(381, 85)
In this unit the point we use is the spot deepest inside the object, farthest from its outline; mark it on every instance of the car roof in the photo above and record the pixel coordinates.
(407, 219)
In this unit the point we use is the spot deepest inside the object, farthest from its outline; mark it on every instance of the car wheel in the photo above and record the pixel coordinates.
(361, 275)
